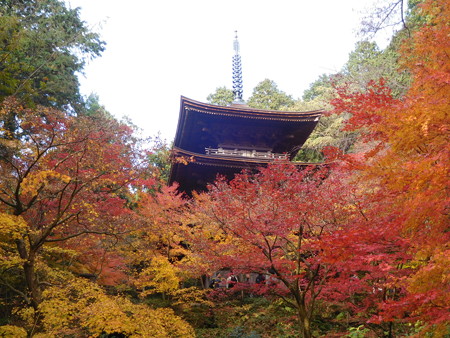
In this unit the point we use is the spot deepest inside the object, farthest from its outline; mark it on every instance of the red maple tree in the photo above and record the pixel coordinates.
(273, 223)
(406, 168)
(61, 177)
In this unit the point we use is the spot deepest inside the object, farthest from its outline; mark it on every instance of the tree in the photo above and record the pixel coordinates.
(156, 254)
(94, 107)
(222, 97)
(156, 249)
(317, 88)
(160, 159)
(394, 14)
(408, 159)
(329, 130)
(266, 95)
(318, 235)
(62, 178)
(368, 63)
(43, 46)
(369, 255)
(271, 223)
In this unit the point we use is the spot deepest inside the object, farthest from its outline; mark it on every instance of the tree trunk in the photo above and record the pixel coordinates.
(33, 288)
(29, 273)
(305, 325)
(304, 320)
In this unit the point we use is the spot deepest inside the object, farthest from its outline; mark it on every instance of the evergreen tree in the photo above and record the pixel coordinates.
(266, 95)
(221, 97)
(43, 45)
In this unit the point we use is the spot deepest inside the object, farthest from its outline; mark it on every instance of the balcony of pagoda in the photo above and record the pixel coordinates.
(245, 153)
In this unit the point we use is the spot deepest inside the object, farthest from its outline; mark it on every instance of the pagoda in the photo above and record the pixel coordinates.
(216, 140)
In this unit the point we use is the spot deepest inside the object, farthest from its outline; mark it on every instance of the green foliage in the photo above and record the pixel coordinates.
(368, 63)
(94, 108)
(43, 45)
(328, 132)
(248, 317)
(362, 60)
(358, 332)
(159, 159)
(266, 95)
(318, 88)
(221, 97)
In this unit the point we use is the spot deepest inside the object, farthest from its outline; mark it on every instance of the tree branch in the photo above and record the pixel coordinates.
(13, 289)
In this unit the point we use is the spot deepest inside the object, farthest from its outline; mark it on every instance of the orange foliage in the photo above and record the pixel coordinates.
(410, 163)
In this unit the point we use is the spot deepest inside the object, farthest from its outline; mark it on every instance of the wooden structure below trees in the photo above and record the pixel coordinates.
(212, 140)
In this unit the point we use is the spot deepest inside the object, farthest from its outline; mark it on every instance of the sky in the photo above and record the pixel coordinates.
(157, 51)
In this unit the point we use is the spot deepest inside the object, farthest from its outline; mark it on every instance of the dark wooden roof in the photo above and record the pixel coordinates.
(194, 171)
(202, 126)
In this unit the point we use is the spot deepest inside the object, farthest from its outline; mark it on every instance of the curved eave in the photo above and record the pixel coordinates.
(196, 108)
(230, 161)
(247, 112)
(211, 159)
(196, 171)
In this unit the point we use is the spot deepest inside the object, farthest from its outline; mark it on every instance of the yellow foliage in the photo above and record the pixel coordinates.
(8, 143)
(160, 322)
(105, 315)
(434, 276)
(59, 251)
(81, 308)
(34, 181)
(12, 332)
(187, 297)
(26, 314)
(11, 227)
(160, 277)
(80, 305)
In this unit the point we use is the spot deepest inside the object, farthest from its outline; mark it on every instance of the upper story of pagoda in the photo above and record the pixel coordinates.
(238, 131)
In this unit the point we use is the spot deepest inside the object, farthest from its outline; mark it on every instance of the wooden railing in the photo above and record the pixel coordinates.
(245, 153)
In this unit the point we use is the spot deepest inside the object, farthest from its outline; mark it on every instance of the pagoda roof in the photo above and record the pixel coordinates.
(202, 125)
(194, 171)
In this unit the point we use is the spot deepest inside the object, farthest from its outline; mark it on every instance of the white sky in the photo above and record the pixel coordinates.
(158, 50)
